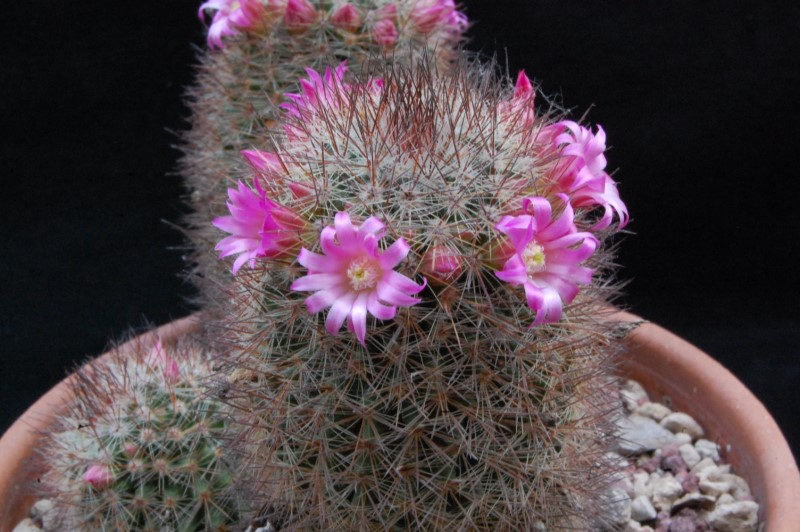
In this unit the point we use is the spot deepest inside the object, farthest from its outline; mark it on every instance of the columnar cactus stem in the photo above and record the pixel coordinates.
(474, 401)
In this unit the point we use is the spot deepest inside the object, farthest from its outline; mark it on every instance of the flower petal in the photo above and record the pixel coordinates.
(339, 311)
(358, 317)
(378, 309)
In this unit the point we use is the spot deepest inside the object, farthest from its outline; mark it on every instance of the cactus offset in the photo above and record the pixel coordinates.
(461, 237)
(140, 448)
(263, 48)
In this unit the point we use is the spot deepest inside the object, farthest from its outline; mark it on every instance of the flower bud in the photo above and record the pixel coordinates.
(442, 264)
(385, 32)
(428, 14)
(346, 17)
(99, 476)
(299, 14)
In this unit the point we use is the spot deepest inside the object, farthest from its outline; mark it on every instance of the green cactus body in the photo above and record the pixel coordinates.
(235, 99)
(140, 448)
(454, 414)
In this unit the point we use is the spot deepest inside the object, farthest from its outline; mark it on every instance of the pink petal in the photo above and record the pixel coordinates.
(373, 226)
(566, 290)
(317, 281)
(328, 242)
(358, 317)
(550, 311)
(392, 296)
(316, 262)
(394, 254)
(379, 310)
(339, 311)
(403, 283)
(533, 295)
(345, 232)
(325, 298)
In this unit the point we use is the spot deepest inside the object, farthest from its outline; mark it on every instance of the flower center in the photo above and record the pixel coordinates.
(533, 257)
(363, 274)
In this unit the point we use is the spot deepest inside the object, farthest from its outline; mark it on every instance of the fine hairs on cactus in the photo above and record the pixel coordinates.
(139, 447)
(259, 49)
(460, 234)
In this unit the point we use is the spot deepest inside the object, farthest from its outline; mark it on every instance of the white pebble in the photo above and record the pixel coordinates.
(734, 517)
(42, 511)
(702, 465)
(739, 487)
(642, 509)
(635, 526)
(655, 411)
(689, 454)
(680, 422)
(707, 449)
(717, 472)
(665, 491)
(714, 487)
(618, 507)
(27, 525)
(682, 437)
(633, 395)
(640, 487)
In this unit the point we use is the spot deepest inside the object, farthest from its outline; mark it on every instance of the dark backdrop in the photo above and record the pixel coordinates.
(698, 98)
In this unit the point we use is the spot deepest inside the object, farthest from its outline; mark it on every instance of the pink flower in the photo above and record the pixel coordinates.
(354, 276)
(98, 476)
(299, 14)
(384, 32)
(230, 17)
(259, 227)
(546, 256)
(427, 15)
(346, 17)
(317, 90)
(581, 173)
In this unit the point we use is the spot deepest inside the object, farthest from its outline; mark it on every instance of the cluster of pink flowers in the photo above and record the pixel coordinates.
(232, 17)
(541, 251)
(353, 276)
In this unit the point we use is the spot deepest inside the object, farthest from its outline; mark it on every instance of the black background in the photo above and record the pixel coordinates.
(698, 98)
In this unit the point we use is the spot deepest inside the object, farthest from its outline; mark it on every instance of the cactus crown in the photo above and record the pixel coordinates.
(451, 410)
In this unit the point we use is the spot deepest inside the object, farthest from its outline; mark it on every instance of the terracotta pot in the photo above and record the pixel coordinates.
(666, 365)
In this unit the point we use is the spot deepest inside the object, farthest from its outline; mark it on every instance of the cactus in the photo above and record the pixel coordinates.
(139, 447)
(259, 50)
(461, 234)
